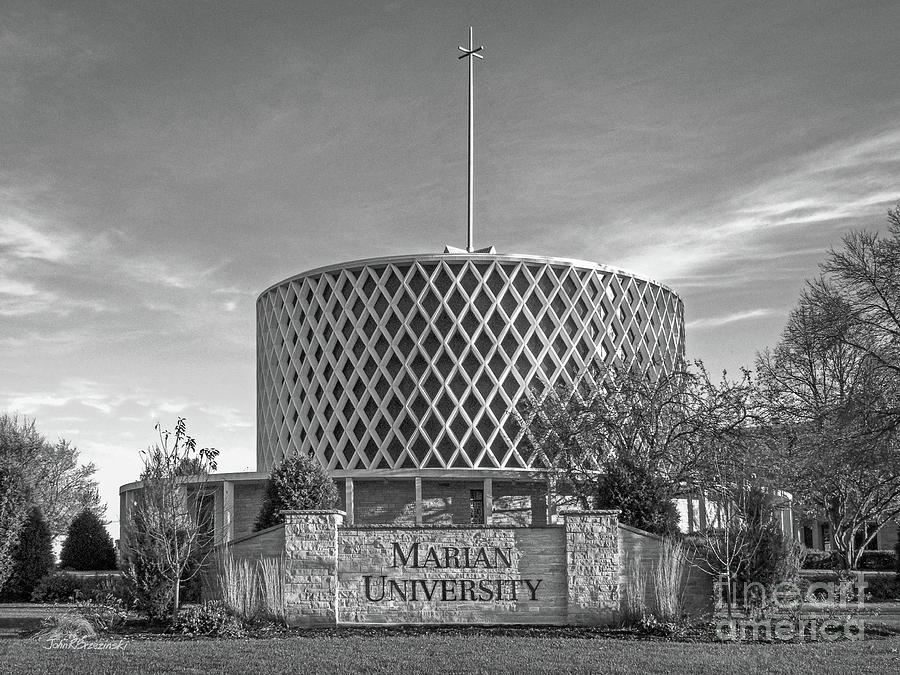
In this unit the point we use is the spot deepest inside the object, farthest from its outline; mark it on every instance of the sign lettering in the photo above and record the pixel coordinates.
(414, 555)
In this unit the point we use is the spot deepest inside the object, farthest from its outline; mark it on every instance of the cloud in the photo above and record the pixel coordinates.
(23, 241)
(849, 183)
(171, 273)
(717, 321)
(17, 288)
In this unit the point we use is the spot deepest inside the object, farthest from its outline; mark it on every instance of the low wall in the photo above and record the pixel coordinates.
(268, 542)
(644, 547)
(571, 573)
(451, 574)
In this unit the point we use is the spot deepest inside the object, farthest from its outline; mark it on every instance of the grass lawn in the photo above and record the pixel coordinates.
(448, 654)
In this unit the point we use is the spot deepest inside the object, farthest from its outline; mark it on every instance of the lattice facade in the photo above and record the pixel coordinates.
(419, 362)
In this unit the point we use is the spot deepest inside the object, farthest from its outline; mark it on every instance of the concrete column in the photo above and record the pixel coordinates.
(593, 561)
(124, 520)
(551, 499)
(701, 501)
(348, 499)
(488, 493)
(418, 500)
(310, 566)
(227, 510)
(817, 536)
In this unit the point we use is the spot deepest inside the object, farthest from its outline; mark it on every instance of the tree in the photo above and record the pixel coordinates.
(58, 483)
(833, 437)
(643, 498)
(62, 486)
(88, 545)
(739, 535)
(618, 428)
(32, 557)
(860, 292)
(165, 541)
(298, 483)
(17, 440)
(13, 498)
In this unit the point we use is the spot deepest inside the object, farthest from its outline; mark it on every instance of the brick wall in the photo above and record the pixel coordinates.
(265, 543)
(519, 504)
(644, 546)
(448, 502)
(248, 498)
(383, 501)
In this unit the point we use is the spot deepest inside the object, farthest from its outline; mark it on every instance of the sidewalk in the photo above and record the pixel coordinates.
(19, 619)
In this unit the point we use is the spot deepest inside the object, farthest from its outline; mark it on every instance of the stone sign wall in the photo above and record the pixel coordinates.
(451, 574)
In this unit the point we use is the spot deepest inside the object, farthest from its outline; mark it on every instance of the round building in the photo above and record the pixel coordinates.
(402, 375)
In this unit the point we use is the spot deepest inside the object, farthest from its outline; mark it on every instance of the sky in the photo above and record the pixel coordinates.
(162, 163)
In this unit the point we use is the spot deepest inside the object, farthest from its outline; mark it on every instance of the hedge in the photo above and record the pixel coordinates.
(875, 561)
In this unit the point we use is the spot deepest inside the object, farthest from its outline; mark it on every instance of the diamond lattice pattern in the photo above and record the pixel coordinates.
(421, 363)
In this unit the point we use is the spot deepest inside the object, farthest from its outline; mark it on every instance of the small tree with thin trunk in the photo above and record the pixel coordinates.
(166, 540)
(741, 508)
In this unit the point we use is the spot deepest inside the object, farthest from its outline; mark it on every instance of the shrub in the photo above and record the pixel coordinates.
(643, 499)
(271, 578)
(238, 585)
(298, 483)
(668, 576)
(883, 589)
(32, 557)
(897, 556)
(67, 587)
(813, 559)
(105, 616)
(211, 619)
(634, 596)
(776, 558)
(65, 626)
(876, 561)
(58, 587)
(88, 545)
(252, 588)
(145, 576)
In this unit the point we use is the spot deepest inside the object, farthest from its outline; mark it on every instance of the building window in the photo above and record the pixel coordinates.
(861, 537)
(826, 537)
(807, 536)
(476, 502)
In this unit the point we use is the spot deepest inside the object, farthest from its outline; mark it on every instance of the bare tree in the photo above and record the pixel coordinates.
(619, 421)
(860, 290)
(63, 487)
(58, 483)
(168, 534)
(740, 512)
(833, 435)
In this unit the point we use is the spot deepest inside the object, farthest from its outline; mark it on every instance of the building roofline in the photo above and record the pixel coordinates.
(478, 257)
(209, 479)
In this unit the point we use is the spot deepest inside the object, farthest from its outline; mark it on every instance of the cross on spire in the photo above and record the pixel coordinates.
(468, 53)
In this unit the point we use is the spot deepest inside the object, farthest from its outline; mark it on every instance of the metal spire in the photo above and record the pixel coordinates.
(469, 52)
